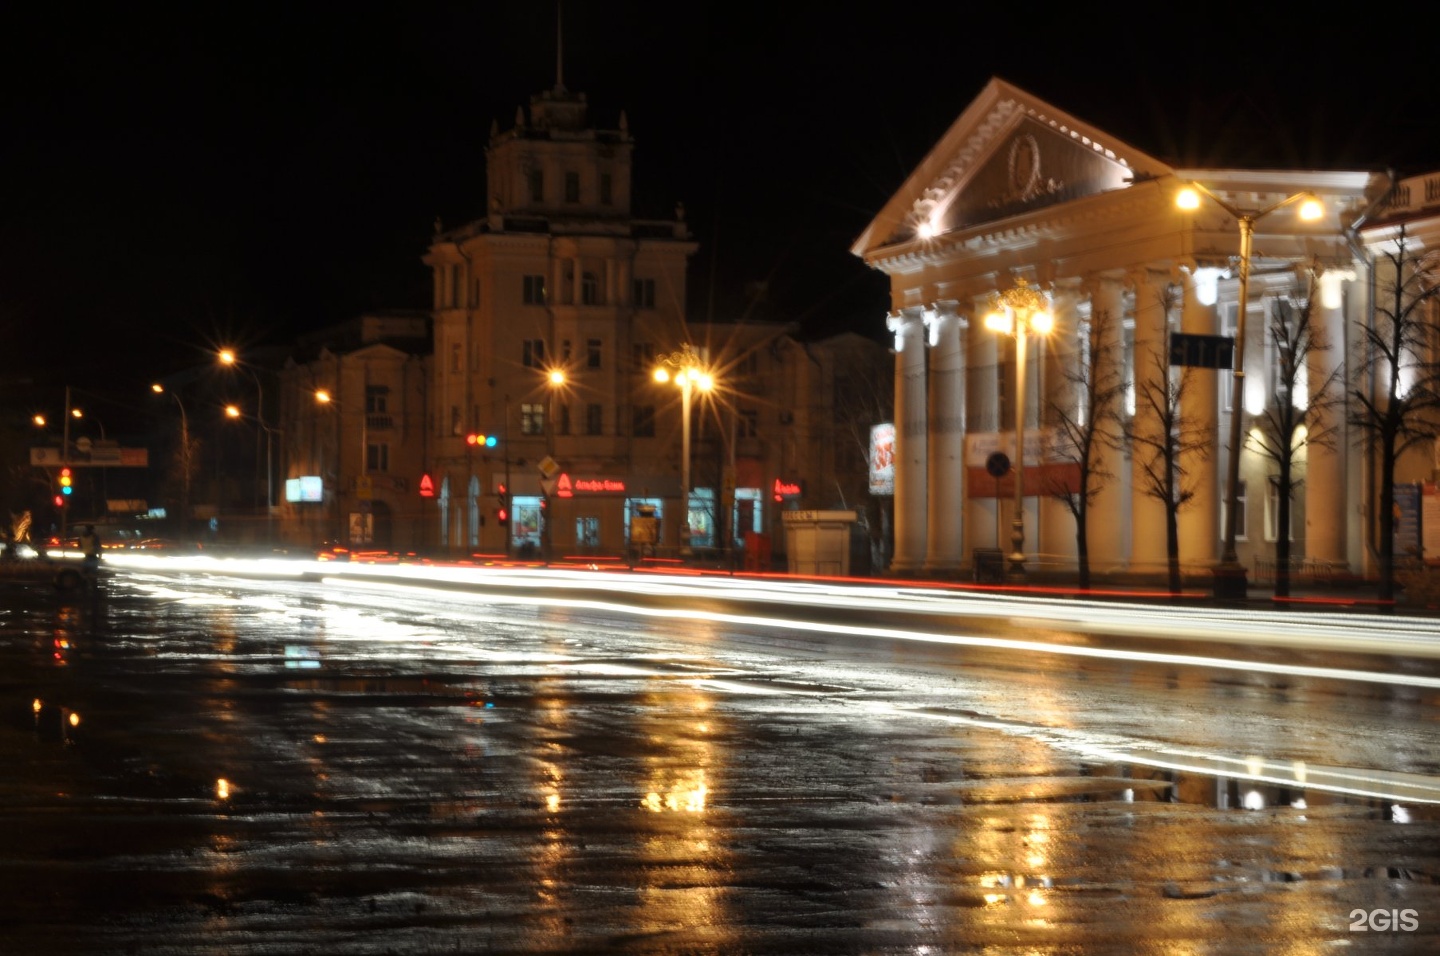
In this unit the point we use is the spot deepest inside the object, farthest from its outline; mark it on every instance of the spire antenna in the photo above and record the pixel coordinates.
(559, 49)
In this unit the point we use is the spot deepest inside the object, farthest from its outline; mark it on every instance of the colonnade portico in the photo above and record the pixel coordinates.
(949, 389)
(1018, 188)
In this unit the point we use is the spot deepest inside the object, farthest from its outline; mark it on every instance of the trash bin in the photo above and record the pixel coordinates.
(757, 551)
(818, 542)
(989, 565)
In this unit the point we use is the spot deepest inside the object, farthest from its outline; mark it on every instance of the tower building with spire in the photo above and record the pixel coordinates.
(548, 313)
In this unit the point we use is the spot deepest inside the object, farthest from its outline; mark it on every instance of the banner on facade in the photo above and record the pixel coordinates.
(1430, 522)
(882, 459)
(1049, 469)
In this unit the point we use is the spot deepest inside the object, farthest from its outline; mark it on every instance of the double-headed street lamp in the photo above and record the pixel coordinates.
(1017, 312)
(687, 371)
(229, 358)
(1229, 575)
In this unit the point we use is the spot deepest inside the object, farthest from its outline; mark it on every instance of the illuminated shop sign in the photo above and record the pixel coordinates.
(783, 489)
(305, 488)
(568, 487)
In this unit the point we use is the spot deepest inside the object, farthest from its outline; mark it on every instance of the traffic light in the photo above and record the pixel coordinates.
(482, 441)
(65, 481)
(502, 510)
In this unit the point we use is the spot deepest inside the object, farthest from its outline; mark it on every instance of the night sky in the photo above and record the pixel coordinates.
(240, 173)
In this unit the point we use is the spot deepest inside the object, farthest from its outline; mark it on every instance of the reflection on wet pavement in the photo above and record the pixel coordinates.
(271, 769)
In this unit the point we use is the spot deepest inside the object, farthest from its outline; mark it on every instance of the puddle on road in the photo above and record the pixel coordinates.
(1114, 768)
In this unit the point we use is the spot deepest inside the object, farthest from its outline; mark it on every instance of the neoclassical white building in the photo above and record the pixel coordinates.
(1020, 190)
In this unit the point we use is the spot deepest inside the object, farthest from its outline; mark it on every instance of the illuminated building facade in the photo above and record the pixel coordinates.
(353, 460)
(551, 314)
(1019, 190)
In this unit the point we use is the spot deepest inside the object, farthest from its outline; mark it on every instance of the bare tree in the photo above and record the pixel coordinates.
(864, 396)
(1087, 421)
(1395, 393)
(1161, 438)
(1302, 414)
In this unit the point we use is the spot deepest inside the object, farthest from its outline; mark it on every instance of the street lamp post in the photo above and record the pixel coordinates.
(323, 397)
(233, 411)
(1229, 575)
(555, 380)
(228, 357)
(1017, 312)
(685, 368)
(185, 463)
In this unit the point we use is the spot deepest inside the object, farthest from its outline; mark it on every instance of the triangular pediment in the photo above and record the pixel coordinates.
(1008, 154)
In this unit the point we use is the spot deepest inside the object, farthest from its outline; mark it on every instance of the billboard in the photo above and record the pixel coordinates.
(304, 488)
(882, 459)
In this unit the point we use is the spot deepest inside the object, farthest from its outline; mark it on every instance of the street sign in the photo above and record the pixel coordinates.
(364, 487)
(98, 456)
(548, 466)
(1202, 351)
(998, 464)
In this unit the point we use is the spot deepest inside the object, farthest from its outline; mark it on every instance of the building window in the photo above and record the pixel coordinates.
(1229, 313)
(534, 290)
(532, 418)
(605, 195)
(589, 289)
(565, 351)
(537, 185)
(1272, 514)
(532, 353)
(1128, 357)
(475, 293)
(455, 427)
(1240, 509)
(587, 531)
(592, 353)
(594, 419)
(747, 425)
(644, 293)
(562, 419)
(377, 399)
(644, 421)
(377, 456)
(455, 358)
(457, 285)
(572, 187)
(643, 355)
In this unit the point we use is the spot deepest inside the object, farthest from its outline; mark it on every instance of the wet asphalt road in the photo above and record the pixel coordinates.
(419, 772)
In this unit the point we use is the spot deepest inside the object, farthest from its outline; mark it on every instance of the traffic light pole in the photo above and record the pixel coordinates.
(65, 462)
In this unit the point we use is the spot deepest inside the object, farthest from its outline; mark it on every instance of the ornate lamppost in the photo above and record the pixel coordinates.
(686, 369)
(1017, 312)
(1229, 575)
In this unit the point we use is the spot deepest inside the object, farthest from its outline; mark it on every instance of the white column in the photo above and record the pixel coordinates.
(1056, 539)
(1325, 466)
(945, 532)
(1106, 519)
(1147, 513)
(1199, 520)
(982, 404)
(911, 432)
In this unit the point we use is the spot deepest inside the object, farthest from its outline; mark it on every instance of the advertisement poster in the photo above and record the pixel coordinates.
(882, 459)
